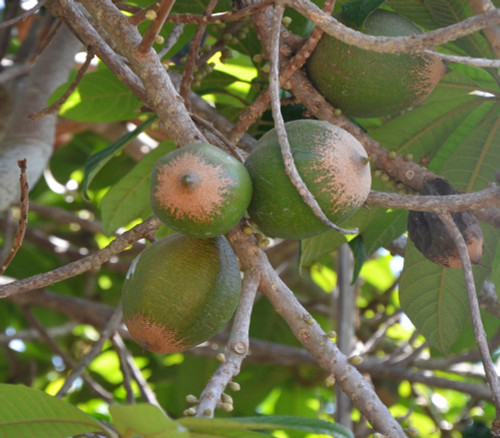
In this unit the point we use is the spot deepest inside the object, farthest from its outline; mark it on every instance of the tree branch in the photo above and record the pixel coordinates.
(410, 44)
(34, 139)
(106, 333)
(163, 98)
(92, 261)
(279, 124)
(236, 349)
(310, 334)
(479, 332)
(489, 197)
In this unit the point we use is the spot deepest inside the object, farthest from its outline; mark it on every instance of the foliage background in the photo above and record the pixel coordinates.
(79, 206)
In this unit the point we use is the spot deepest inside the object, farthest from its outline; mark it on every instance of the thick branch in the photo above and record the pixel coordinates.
(310, 334)
(162, 95)
(33, 139)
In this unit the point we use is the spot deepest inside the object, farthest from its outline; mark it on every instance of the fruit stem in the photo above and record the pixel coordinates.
(189, 180)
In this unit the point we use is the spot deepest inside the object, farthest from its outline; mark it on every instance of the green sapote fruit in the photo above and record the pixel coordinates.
(199, 190)
(363, 83)
(332, 163)
(180, 291)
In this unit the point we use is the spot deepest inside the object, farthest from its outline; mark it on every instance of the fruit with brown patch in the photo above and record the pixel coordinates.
(364, 83)
(432, 238)
(332, 163)
(180, 291)
(199, 190)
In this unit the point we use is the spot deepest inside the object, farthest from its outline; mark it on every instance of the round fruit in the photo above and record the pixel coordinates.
(363, 83)
(200, 190)
(331, 162)
(180, 291)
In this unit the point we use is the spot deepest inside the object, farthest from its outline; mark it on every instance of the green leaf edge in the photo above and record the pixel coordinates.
(269, 422)
(98, 160)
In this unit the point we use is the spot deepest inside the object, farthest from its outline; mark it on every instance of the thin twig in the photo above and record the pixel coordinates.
(23, 216)
(376, 338)
(466, 60)
(217, 18)
(172, 39)
(57, 104)
(146, 392)
(89, 312)
(477, 323)
(31, 334)
(162, 96)
(407, 44)
(231, 148)
(492, 33)
(253, 111)
(95, 387)
(194, 46)
(299, 59)
(236, 348)
(222, 17)
(92, 261)
(112, 325)
(23, 16)
(121, 349)
(489, 197)
(151, 34)
(288, 160)
(80, 25)
(46, 41)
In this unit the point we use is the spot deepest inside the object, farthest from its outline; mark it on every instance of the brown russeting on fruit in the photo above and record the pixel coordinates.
(202, 197)
(430, 70)
(342, 183)
(153, 336)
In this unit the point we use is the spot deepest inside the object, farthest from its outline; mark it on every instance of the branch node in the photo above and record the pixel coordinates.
(240, 348)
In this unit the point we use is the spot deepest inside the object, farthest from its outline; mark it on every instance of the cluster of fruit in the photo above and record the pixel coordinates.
(184, 288)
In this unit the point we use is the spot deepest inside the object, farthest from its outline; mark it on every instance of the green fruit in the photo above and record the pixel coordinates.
(331, 162)
(180, 291)
(369, 84)
(200, 190)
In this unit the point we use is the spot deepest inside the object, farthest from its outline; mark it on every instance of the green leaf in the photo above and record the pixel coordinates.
(97, 161)
(495, 275)
(356, 12)
(384, 229)
(448, 12)
(434, 299)
(359, 251)
(424, 130)
(216, 81)
(313, 248)
(470, 161)
(27, 412)
(147, 421)
(129, 198)
(268, 422)
(198, 7)
(99, 97)
(414, 10)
